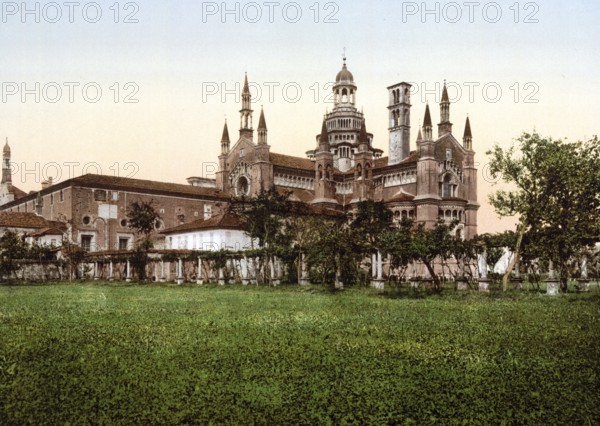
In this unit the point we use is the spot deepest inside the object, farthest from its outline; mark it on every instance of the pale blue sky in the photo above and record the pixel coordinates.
(173, 56)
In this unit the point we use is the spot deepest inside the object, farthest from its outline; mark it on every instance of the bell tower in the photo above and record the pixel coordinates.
(399, 119)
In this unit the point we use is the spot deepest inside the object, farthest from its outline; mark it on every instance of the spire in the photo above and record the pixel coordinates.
(262, 128)
(363, 137)
(246, 90)
(445, 126)
(6, 149)
(419, 136)
(246, 111)
(427, 119)
(261, 121)
(445, 97)
(468, 137)
(225, 137)
(427, 126)
(225, 140)
(324, 137)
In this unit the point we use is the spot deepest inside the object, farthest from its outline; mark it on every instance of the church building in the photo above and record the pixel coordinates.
(436, 179)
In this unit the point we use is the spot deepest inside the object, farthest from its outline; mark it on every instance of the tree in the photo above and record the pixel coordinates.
(74, 255)
(264, 217)
(556, 194)
(396, 242)
(371, 221)
(142, 217)
(429, 244)
(12, 249)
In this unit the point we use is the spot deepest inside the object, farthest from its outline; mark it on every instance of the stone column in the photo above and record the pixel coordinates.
(199, 279)
(96, 276)
(128, 277)
(482, 266)
(552, 283)
(303, 271)
(276, 271)
(244, 271)
(414, 280)
(110, 271)
(377, 281)
(373, 265)
(162, 271)
(179, 278)
(584, 282)
(221, 277)
(461, 282)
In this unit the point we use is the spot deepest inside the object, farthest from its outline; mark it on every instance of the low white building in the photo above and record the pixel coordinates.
(220, 232)
(33, 228)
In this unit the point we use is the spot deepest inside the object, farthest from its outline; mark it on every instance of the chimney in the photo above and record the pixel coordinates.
(47, 183)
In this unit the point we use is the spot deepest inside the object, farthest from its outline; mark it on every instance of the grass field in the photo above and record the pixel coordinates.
(139, 354)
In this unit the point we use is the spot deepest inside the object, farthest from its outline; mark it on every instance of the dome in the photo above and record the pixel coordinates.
(344, 75)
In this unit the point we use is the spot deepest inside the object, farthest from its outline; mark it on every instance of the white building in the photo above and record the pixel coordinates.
(220, 232)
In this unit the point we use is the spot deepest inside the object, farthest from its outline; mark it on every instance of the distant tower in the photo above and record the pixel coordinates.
(6, 172)
(468, 137)
(246, 112)
(225, 140)
(470, 178)
(445, 126)
(427, 197)
(427, 126)
(363, 169)
(262, 129)
(223, 173)
(399, 112)
(324, 183)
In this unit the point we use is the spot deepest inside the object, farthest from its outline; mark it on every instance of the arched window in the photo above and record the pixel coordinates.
(320, 169)
(358, 171)
(344, 95)
(447, 187)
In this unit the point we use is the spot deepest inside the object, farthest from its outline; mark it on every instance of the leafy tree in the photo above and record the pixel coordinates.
(371, 220)
(429, 244)
(12, 249)
(74, 255)
(264, 217)
(142, 217)
(333, 253)
(396, 241)
(556, 195)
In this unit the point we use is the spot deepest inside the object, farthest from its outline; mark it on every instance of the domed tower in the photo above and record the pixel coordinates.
(344, 123)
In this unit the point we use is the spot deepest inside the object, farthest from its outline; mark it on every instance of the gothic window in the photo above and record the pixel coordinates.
(243, 186)
(328, 172)
(448, 154)
(241, 152)
(447, 187)
(320, 169)
(358, 171)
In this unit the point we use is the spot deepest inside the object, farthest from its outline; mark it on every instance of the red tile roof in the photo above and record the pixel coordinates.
(291, 162)
(222, 221)
(47, 231)
(22, 220)
(147, 186)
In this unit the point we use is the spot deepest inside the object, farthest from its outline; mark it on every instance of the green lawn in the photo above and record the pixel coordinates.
(148, 354)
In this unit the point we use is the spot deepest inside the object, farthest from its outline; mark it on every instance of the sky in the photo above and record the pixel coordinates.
(142, 89)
